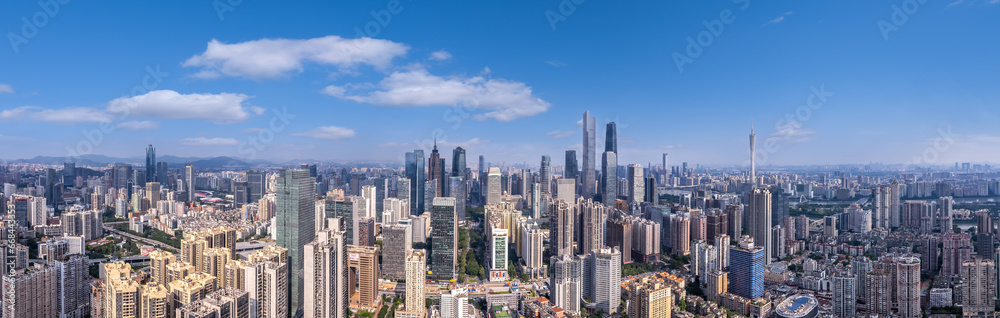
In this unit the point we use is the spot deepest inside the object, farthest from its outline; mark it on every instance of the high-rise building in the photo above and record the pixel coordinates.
(153, 194)
(984, 235)
(607, 262)
(189, 182)
(956, 248)
(636, 184)
(878, 292)
(497, 259)
(416, 272)
(760, 221)
(746, 269)
(222, 303)
(753, 169)
(611, 138)
(162, 175)
(722, 246)
(72, 282)
(345, 209)
(444, 242)
(561, 219)
(155, 301)
(908, 287)
(979, 288)
(594, 214)
(457, 190)
(565, 288)
(587, 171)
(493, 190)
(366, 232)
(267, 283)
(415, 172)
(532, 249)
(566, 190)
(571, 170)
(705, 260)
(455, 304)
(255, 185)
(735, 214)
(325, 282)
(844, 295)
(150, 164)
(121, 294)
(362, 278)
(296, 208)
(718, 284)
(609, 178)
(649, 299)
(436, 170)
(397, 241)
(545, 175)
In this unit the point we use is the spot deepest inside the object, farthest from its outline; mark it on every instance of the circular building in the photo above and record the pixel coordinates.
(798, 306)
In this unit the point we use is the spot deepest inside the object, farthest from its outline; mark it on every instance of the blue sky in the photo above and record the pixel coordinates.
(507, 79)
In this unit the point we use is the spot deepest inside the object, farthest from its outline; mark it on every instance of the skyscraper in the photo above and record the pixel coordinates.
(587, 170)
(444, 243)
(435, 171)
(544, 174)
(760, 221)
(636, 184)
(362, 267)
(415, 172)
(561, 218)
(844, 295)
(908, 287)
(458, 162)
(753, 144)
(150, 164)
(565, 287)
(609, 178)
(607, 263)
(979, 287)
(611, 139)
(416, 272)
(189, 179)
(493, 191)
(255, 185)
(326, 273)
(571, 170)
(649, 299)
(746, 269)
(397, 242)
(161, 175)
(296, 207)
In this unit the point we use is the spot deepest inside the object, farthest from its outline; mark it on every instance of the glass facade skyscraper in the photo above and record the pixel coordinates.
(415, 172)
(611, 138)
(571, 168)
(587, 171)
(609, 177)
(443, 239)
(545, 173)
(150, 164)
(746, 271)
(295, 217)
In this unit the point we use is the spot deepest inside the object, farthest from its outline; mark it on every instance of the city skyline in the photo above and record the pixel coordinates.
(185, 92)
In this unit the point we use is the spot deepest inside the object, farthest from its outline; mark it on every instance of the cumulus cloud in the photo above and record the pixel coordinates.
(328, 133)
(560, 134)
(6, 89)
(138, 125)
(222, 108)
(441, 55)
(779, 19)
(276, 58)
(502, 100)
(793, 132)
(203, 141)
(464, 144)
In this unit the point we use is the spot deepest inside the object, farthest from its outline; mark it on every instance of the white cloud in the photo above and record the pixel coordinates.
(779, 19)
(793, 132)
(441, 55)
(162, 104)
(202, 141)
(138, 125)
(275, 58)
(503, 100)
(253, 130)
(6, 88)
(560, 134)
(556, 63)
(166, 104)
(328, 133)
(958, 2)
(464, 144)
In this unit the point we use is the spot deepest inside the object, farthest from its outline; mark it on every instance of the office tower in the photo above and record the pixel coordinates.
(587, 170)
(415, 172)
(416, 272)
(611, 139)
(362, 264)
(255, 185)
(878, 292)
(455, 304)
(368, 198)
(735, 214)
(366, 232)
(979, 288)
(746, 269)
(722, 246)
(753, 146)
(497, 260)
(121, 293)
(607, 262)
(161, 174)
(830, 226)
(402, 190)
(566, 190)
(381, 188)
(345, 209)
(594, 214)
(296, 208)
(908, 287)
(397, 240)
(571, 169)
(716, 223)
(72, 282)
(241, 194)
(545, 174)
(649, 299)
(609, 178)
(325, 260)
(565, 288)
(760, 221)
(153, 194)
(844, 295)
(705, 260)
(435, 171)
(860, 267)
(458, 165)
(650, 189)
(636, 184)
(718, 284)
(956, 248)
(779, 205)
(444, 241)
(150, 164)
(493, 191)
(457, 191)
(189, 182)
(561, 224)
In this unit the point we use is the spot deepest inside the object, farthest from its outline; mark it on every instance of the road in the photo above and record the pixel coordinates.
(157, 244)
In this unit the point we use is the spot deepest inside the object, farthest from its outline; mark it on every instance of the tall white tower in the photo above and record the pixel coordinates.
(753, 142)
